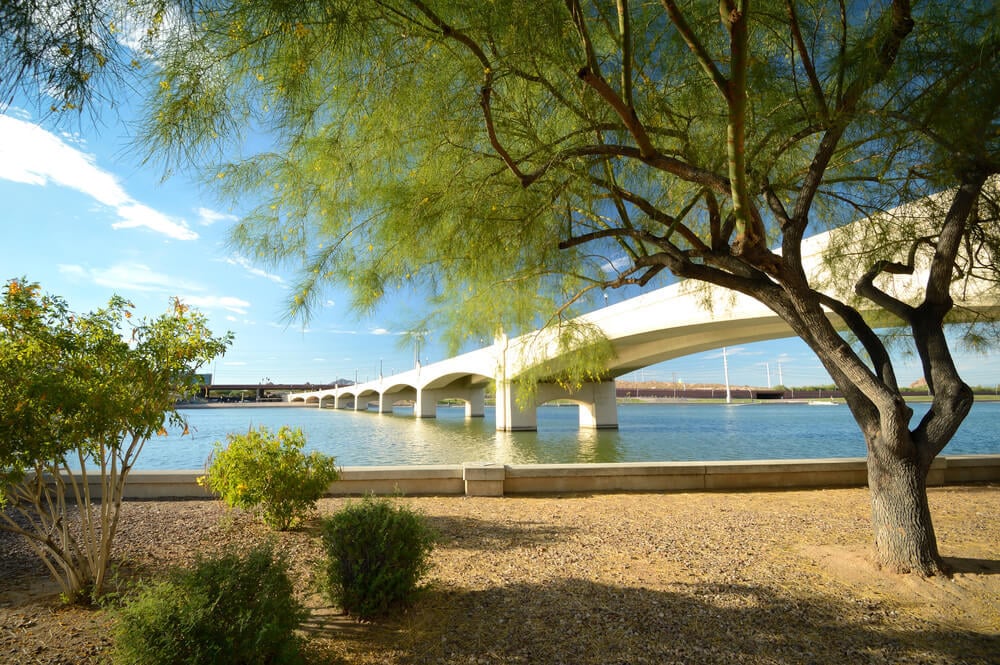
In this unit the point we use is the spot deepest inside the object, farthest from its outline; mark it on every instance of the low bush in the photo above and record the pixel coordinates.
(270, 472)
(376, 554)
(231, 609)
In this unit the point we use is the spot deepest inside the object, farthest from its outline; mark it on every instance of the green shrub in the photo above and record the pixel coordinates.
(261, 470)
(376, 554)
(224, 610)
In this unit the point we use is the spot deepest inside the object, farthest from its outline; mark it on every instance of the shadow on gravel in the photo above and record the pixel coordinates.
(586, 623)
(472, 533)
(976, 566)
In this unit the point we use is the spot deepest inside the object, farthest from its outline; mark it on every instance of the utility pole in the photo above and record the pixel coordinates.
(725, 369)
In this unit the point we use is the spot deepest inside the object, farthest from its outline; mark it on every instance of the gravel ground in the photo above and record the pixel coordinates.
(757, 577)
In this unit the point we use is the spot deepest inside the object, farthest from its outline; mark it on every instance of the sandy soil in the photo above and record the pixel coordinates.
(761, 577)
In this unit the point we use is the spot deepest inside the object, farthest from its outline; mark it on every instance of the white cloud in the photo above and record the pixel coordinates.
(230, 303)
(617, 265)
(381, 331)
(129, 277)
(207, 217)
(32, 155)
(73, 271)
(729, 352)
(124, 277)
(135, 215)
(243, 262)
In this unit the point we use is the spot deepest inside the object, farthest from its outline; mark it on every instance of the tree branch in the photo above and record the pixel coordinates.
(950, 239)
(485, 91)
(807, 64)
(706, 62)
(881, 361)
(902, 25)
(625, 112)
(866, 288)
(625, 28)
(734, 18)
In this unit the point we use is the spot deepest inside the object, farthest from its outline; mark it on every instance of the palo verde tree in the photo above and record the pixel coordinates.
(507, 157)
(79, 396)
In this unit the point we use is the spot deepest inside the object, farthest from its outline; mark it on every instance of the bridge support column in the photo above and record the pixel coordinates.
(598, 405)
(510, 416)
(426, 404)
(384, 404)
(475, 405)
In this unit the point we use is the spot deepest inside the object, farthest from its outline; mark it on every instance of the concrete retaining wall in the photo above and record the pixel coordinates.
(485, 479)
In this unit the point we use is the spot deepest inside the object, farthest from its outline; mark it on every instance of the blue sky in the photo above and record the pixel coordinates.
(85, 219)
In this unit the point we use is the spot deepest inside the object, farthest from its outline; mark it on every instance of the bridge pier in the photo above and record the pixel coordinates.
(426, 404)
(511, 417)
(600, 411)
(597, 403)
(475, 403)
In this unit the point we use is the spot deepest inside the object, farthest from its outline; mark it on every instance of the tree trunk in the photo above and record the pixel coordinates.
(904, 533)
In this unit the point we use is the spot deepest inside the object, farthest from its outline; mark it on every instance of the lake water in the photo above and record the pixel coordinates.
(647, 433)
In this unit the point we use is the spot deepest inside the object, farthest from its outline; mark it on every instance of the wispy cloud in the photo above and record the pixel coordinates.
(129, 277)
(32, 155)
(730, 351)
(378, 332)
(207, 217)
(615, 266)
(243, 262)
(229, 303)
(125, 277)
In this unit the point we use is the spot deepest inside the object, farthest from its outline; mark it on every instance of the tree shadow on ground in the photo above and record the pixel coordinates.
(586, 623)
(472, 533)
(488, 534)
(974, 566)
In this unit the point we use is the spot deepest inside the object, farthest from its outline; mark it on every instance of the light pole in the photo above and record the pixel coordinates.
(725, 370)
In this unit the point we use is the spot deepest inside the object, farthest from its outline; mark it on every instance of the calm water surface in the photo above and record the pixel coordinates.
(647, 432)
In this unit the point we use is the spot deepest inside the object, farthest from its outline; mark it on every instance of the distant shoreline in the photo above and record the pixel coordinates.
(243, 405)
(621, 401)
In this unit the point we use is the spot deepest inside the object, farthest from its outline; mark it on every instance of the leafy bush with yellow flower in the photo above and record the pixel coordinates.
(269, 472)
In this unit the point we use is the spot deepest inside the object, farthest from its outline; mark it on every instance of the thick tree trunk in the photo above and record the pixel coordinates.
(904, 533)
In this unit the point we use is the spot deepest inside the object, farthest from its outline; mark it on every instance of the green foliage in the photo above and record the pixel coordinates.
(70, 57)
(80, 394)
(270, 472)
(376, 554)
(230, 609)
(569, 354)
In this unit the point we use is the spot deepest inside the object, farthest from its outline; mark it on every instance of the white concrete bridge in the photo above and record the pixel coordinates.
(651, 328)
